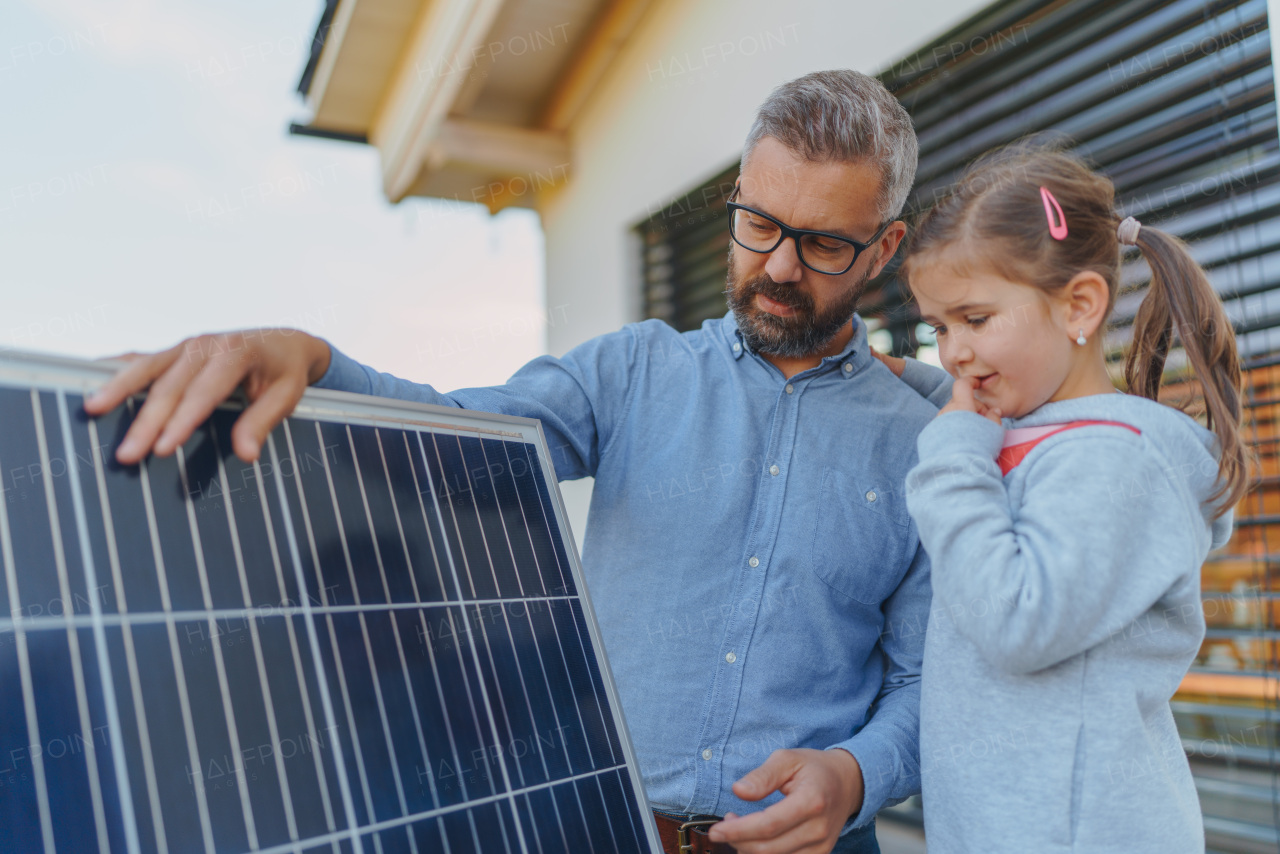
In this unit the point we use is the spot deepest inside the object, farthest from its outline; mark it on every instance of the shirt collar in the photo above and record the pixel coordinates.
(851, 359)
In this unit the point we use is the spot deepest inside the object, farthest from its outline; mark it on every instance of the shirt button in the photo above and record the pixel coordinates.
(731, 658)
(737, 348)
(871, 496)
(754, 562)
(848, 367)
(773, 470)
(791, 389)
(706, 754)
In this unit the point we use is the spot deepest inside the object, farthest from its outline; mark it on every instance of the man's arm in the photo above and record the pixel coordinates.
(829, 791)
(577, 397)
(888, 746)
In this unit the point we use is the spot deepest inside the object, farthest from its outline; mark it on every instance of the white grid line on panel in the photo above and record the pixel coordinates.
(378, 827)
(126, 637)
(333, 640)
(475, 655)
(105, 678)
(313, 636)
(477, 726)
(224, 687)
(32, 624)
(364, 631)
(422, 619)
(179, 671)
(395, 631)
(506, 620)
(537, 646)
(417, 488)
(24, 675)
(548, 514)
(273, 728)
(577, 708)
(73, 639)
(633, 775)
(404, 664)
(303, 694)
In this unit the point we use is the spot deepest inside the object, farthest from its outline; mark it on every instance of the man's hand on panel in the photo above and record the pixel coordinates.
(190, 379)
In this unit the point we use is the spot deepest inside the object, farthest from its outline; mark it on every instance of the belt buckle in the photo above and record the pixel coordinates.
(682, 833)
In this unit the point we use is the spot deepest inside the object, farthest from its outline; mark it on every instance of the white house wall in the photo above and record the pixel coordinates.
(672, 112)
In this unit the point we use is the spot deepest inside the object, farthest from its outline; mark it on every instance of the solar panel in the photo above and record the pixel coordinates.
(377, 638)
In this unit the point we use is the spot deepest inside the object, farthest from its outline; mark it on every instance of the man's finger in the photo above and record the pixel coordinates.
(261, 417)
(163, 398)
(775, 771)
(784, 826)
(893, 363)
(799, 841)
(139, 374)
(215, 381)
(771, 822)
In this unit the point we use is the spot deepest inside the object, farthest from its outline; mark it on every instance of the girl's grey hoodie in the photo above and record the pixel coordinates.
(1066, 612)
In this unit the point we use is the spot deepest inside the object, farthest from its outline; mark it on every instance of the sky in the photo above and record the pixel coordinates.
(149, 190)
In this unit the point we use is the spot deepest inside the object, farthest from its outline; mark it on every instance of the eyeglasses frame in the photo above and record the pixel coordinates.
(797, 233)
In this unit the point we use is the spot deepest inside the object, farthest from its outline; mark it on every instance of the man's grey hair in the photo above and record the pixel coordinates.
(844, 116)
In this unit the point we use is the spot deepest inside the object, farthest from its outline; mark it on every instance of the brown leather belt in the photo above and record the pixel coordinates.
(688, 835)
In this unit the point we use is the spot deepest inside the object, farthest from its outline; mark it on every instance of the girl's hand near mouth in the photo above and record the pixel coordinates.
(962, 400)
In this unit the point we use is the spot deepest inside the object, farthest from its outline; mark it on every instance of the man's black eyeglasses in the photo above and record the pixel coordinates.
(820, 251)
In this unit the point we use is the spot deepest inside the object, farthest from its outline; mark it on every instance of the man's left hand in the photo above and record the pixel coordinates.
(821, 788)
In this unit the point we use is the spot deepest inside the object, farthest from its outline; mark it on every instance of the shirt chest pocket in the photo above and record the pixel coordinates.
(862, 541)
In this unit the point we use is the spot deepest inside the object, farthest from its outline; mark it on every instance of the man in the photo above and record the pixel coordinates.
(761, 588)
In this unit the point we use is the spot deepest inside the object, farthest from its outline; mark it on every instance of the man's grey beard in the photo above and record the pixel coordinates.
(798, 336)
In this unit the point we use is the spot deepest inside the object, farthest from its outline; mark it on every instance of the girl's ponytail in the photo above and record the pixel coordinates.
(1180, 299)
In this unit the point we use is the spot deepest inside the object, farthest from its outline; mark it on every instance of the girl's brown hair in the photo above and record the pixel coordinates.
(995, 218)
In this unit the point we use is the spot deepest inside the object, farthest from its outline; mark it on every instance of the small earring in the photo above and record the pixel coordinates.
(1080, 339)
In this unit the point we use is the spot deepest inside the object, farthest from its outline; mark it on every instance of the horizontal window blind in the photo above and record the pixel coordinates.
(685, 246)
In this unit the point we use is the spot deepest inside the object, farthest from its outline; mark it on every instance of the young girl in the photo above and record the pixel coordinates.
(1066, 539)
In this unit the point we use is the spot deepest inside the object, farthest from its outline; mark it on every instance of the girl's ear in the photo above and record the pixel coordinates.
(1084, 301)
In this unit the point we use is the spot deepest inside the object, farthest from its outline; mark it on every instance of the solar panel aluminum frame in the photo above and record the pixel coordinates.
(64, 375)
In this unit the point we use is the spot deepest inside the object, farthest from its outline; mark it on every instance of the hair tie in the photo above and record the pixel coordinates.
(1127, 231)
(1057, 230)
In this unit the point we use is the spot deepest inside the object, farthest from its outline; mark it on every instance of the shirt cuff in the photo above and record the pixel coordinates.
(880, 770)
(343, 374)
(963, 432)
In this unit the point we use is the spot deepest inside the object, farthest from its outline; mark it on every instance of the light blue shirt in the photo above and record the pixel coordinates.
(748, 545)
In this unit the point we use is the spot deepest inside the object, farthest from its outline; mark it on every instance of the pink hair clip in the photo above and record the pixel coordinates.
(1058, 230)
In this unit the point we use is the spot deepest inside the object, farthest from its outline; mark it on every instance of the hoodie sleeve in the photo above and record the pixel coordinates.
(1033, 590)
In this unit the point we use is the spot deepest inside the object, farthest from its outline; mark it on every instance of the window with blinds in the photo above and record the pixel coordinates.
(685, 246)
(1175, 101)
